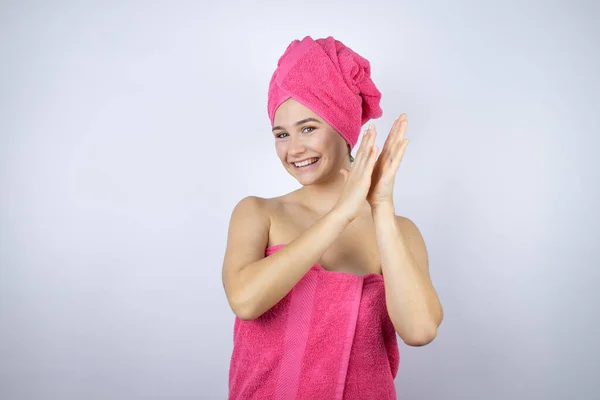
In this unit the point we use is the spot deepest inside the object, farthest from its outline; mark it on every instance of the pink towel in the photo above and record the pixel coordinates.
(330, 79)
(329, 338)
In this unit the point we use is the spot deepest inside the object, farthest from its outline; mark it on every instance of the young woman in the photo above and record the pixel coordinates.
(323, 278)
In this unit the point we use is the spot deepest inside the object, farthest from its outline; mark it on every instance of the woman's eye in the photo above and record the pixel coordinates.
(308, 127)
(280, 135)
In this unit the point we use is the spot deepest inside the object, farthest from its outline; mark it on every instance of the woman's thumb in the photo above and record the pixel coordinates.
(344, 172)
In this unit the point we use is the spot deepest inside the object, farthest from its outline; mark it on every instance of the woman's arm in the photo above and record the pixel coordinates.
(412, 302)
(254, 283)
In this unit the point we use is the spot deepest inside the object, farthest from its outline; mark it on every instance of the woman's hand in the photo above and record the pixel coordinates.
(384, 172)
(358, 179)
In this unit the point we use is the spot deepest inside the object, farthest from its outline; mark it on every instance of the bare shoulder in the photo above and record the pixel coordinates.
(258, 206)
(247, 237)
(273, 206)
(255, 212)
(408, 227)
(248, 226)
(255, 201)
(250, 204)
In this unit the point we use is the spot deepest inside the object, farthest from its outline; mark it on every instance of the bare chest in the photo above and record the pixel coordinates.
(354, 251)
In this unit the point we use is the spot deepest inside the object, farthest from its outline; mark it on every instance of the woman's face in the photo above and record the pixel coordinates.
(308, 147)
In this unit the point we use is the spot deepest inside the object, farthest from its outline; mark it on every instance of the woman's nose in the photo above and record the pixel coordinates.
(296, 145)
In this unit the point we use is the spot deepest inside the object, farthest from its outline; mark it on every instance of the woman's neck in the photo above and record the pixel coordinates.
(322, 197)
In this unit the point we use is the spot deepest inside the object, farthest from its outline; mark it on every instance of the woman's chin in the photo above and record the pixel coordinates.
(311, 179)
(304, 180)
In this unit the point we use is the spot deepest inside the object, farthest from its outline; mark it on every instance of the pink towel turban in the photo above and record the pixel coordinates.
(331, 80)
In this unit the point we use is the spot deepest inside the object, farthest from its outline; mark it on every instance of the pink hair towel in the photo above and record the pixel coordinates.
(329, 338)
(330, 79)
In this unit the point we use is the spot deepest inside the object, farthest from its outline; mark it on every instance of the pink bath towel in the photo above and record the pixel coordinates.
(329, 338)
(330, 79)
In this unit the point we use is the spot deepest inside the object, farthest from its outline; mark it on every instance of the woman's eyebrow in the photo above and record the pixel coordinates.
(302, 121)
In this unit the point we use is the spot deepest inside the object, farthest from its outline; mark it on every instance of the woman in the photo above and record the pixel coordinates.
(323, 278)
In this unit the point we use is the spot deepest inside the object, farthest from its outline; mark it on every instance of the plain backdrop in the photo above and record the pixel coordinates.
(129, 131)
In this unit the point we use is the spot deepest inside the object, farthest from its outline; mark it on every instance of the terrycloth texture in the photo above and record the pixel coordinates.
(331, 80)
(329, 338)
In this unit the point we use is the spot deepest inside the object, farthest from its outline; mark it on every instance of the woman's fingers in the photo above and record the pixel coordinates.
(390, 147)
(397, 134)
(371, 152)
(394, 143)
(366, 146)
(399, 154)
(391, 139)
(372, 160)
(361, 149)
(400, 144)
(401, 131)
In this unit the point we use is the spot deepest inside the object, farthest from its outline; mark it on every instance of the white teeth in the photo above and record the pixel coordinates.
(306, 162)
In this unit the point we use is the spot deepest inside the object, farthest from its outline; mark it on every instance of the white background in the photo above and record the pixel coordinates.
(128, 132)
